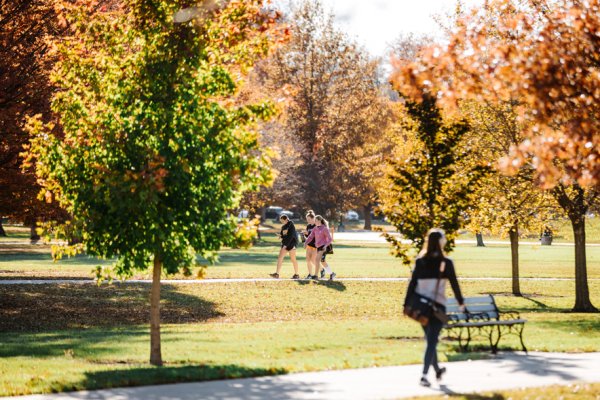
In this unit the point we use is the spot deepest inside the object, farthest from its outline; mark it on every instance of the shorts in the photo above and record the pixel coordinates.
(312, 246)
(324, 250)
(288, 248)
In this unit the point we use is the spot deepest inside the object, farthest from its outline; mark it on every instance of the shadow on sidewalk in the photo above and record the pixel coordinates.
(542, 366)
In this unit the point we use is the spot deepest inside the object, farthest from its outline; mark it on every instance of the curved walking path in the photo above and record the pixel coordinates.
(506, 371)
(243, 280)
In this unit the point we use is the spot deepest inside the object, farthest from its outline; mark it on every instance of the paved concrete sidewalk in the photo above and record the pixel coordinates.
(506, 371)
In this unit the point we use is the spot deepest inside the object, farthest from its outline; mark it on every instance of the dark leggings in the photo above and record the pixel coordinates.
(432, 333)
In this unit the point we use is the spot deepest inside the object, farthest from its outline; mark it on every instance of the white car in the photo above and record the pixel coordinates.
(351, 216)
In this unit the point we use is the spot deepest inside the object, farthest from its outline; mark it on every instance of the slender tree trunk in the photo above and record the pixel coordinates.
(582, 293)
(33, 232)
(367, 210)
(263, 214)
(155, 352)
(2, 231)
(479, 238)
(514, 253)
(575, 206)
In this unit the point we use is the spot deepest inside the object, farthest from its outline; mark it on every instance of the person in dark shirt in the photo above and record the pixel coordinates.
(289, 241)
(432, 265)
(311, 248)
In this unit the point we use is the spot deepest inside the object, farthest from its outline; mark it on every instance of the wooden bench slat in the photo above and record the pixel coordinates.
(479, 308)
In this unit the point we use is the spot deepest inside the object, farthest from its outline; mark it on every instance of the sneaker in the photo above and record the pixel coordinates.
(332, 276)
(440, 373)
(296, 276)
(424, 382)
(323, 273)
(309, 276)
(274, 275)
(314, 278)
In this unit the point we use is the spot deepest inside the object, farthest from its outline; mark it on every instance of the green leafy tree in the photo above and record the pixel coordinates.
(431, 183)
(505, 204)
(156, 149)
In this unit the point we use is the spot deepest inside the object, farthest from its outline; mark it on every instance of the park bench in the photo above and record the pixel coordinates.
(482, 319)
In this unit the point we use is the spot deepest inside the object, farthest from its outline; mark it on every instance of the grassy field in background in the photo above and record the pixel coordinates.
(350, 260)
(66, 337)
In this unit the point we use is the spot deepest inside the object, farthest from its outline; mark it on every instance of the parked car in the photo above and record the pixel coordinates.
(273, 212)
(351, 216)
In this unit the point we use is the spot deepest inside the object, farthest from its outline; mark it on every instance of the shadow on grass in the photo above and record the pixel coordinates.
(69, 343)
(335, 285)
(120, 381)
(537, 303)
(403, 338)
(580, 326)
(170, 374)
(38, 308)
(469, 396)
(81, 259)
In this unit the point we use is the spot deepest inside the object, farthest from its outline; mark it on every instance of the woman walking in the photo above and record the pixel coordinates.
(289, 241)
(432, 271)
(322, 239)
(311, 247)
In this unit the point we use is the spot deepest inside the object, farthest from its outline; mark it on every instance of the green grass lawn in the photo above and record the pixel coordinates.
(66, 337)
(349, 260)
(83, 336)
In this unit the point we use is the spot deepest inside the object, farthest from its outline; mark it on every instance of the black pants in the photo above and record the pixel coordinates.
(432, 334)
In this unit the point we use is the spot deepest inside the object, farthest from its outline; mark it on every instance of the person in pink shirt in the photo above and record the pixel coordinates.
(322, 238)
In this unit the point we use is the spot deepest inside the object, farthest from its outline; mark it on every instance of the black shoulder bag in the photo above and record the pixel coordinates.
(422, 308)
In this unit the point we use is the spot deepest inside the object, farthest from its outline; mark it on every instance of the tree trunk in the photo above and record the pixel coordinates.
(2, 231)
(367, 210)
(34, 235)
(514, 252)
(479, 238)
(574, 204)
(155, 353)
(263, 214)
(582, 293)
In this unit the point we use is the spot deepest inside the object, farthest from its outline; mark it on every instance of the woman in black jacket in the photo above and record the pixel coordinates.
(289, 241)
(432, 271)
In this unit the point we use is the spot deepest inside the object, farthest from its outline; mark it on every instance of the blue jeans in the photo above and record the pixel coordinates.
(432, 334)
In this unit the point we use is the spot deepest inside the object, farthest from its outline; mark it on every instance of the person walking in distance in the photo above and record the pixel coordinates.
(289, 241)
(432, 271)
(311, 248)
(322, 239)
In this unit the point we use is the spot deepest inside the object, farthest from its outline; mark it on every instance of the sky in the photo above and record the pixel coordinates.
(376, 23)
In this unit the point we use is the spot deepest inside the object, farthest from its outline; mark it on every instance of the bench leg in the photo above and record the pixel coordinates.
(521, 338)
(464, 347)
(494, 341)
